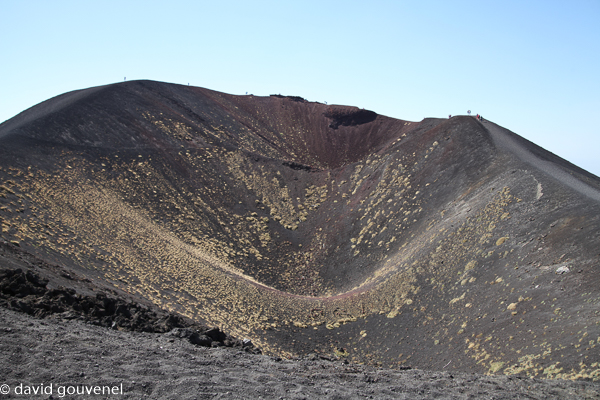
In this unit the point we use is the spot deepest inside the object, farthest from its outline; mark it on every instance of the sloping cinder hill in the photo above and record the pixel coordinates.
(445, 244)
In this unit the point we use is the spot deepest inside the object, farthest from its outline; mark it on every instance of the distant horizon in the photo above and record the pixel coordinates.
(466, 113)
(531, 67)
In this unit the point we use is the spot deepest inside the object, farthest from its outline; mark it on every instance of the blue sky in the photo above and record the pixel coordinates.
(530, 66)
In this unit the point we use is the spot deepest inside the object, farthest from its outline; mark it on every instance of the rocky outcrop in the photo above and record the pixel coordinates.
(26, 292)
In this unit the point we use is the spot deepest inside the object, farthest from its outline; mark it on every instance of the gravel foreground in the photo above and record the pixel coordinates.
(60, 357)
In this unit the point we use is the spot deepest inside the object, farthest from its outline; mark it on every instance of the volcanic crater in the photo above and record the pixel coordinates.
(314, 228)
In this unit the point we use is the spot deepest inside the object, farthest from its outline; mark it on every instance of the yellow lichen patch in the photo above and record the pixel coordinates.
(470, 265)
(496, 366)
(501, 240)
(457, 299)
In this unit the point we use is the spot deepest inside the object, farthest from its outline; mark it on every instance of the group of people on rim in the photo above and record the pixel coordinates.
(479, 117)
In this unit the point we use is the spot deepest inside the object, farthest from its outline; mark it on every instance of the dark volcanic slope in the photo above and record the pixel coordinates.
(315, 228)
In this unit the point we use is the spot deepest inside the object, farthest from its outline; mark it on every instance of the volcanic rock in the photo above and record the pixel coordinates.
(307, 227)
